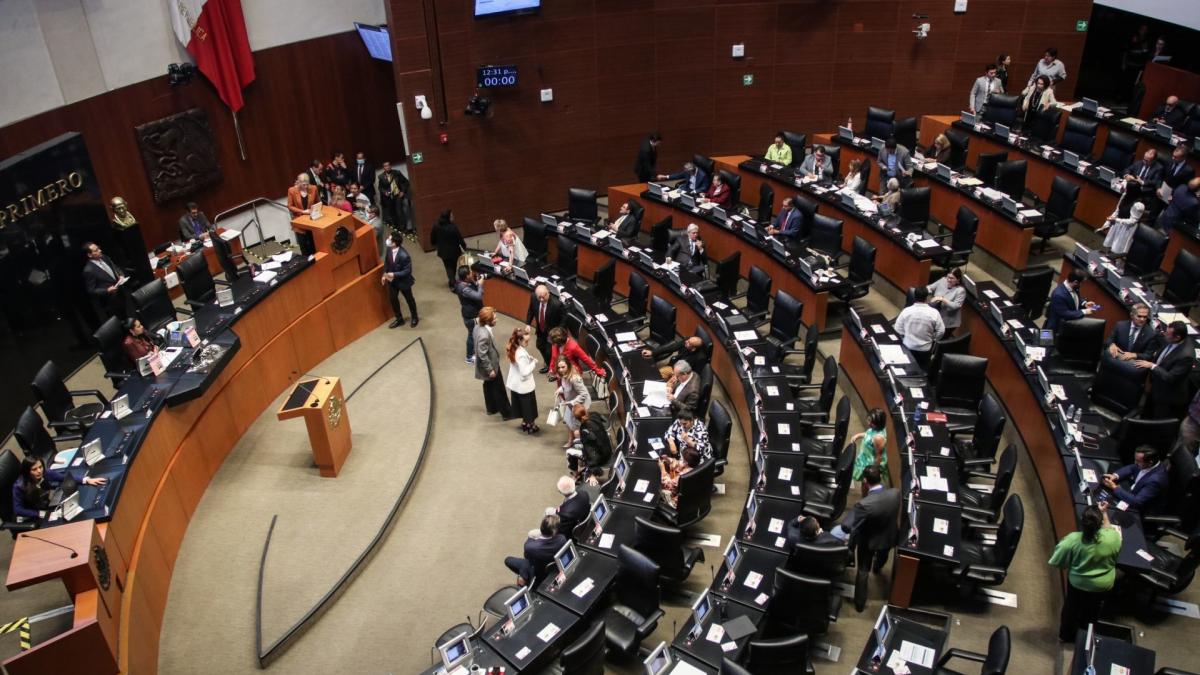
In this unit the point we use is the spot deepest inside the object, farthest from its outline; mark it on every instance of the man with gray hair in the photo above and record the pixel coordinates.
(574, 508)
(1134, 338)
(683, 389)
(689, 251)
(694, 178)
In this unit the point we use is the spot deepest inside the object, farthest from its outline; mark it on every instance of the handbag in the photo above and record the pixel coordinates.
(552, 418)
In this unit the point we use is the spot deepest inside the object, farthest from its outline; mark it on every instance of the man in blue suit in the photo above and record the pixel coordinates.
(540, 548)
(787, 221)
(1184, 208)
(693, 177)
(1065, 303)
(1141, 485)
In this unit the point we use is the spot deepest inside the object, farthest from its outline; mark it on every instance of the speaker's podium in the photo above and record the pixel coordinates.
(77, 554)
(349, 240)
(321, 403)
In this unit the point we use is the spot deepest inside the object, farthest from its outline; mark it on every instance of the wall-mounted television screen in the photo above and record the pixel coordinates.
(493, 7)
(379, 46)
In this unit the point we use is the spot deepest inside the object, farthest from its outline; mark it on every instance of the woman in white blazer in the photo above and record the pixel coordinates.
(520, 380)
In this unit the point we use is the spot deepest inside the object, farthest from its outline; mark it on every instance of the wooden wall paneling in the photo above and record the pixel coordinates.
(313, 338)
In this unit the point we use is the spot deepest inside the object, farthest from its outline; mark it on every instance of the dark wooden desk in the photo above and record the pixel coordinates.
(522, 647)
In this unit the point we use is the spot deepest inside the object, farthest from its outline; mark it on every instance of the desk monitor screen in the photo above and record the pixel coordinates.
(847, 200)
(1106, 174)
(751, 512)
(883, 626)
(912, 519)
(846, 133)
(1070, 159)
(969, 285)
(1002, 130)
(620, 468)
(688, 201)
(719, 214)
(750, 230)
(656, 189)
(520, 273)
(659, 662)
(1042, 380)
(600, 512)
(1164, 131)
(1020, 344)
(732, 554)
(778, 246)
(1089, 104)
(855, 320)
(805, 267)
(518, 604)
(566, 558)
(455, 652)
(944, 171)
(583, 230)
(967, 118)
(700, 612)
(1008, 204)
(549, 220)
(876, 144)
(760, 464)
(1081, 252)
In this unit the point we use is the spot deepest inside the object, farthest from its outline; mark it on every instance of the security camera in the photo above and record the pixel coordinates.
(922, 31)
(478, 106)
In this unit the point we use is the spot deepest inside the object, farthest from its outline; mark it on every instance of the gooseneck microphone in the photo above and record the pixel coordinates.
(74, 553)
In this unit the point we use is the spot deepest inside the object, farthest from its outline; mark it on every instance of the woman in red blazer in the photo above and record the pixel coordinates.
(719, 193)
(563, 343)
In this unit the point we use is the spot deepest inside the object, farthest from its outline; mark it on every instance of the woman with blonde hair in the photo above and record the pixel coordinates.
(520, 380)
(854, 179)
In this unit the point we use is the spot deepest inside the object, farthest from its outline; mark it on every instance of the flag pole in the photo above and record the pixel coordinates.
(237, 129)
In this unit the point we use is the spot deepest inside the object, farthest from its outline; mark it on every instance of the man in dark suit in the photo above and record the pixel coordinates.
(787, 222)
(397, 274)
(625, 226)
(574, 508)
(1065, 303)
(1184, 208)
(1169, 113)
(1169, 372)
(393, 187)
(683, 389)
(1143, 177)
(1134, 339)
(695, 179)
(364, 175)
(1141, 485)
(194, 224)
(871, 528)
(103, 280)
(545, 312)
(806, 530)
(646, 164)
(691, 350)
(688, 251)
(540, 548)
(1178, 171)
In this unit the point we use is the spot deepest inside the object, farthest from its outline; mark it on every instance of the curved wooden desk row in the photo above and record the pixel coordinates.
(302, 322)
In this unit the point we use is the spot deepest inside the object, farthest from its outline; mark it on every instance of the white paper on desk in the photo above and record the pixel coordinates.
(627, 337)
(720, 305)
(1117, 669)
(877, 329)
(948, 551)
(583, 587)
(934, 484)
(933, 472)
(784, 429)
(991, 295)
(271, 265)
(606, 540)
(753, 579)
(625, 347)
(1144, 555)
(896, 662)
(916, 392)
(230, 235)
(1058, 391)
(548, 632)
(284, 257)
(951, 497)
(915, 653)
(725, 647)
(772, 390)
(893, 355)
(171, 279)
(641, 485)
(925, 430)
(602, 318)
(715, 633)
(648, 497)
(1029, 213)
(1089, 475)
(941, 525)
(775, 526)
(780, 542)
(656, 443)
(1015, 324)
(1035, 353)
(208, 243)
(785, 473)
(760, 360)
(264, 277)
(654, 394)
(643, 411)
(944, 451)
(685, 668)
(928, 243)
(746, 335)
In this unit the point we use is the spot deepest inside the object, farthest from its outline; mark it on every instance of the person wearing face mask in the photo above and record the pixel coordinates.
(364, 174)
(337, 173)
(397, 275)
(1120, 230)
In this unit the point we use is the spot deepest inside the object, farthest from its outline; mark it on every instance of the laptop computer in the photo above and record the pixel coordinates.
(1070, 159)
(1089, 104)
(1105, 174)
(967, 118)
(656, 189)
(719, 214)
(1002, 130)
(846, 133)
(944, 172)
(1164, 131)
(876, 144)
(687, 201)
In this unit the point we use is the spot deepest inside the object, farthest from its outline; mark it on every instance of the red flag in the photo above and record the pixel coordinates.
(214, 33)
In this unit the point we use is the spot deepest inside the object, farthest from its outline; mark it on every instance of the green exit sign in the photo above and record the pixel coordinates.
(1081, 26)
(417, 158)
(747, 80)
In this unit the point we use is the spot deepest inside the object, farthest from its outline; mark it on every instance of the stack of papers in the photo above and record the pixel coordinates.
(1133, 120)
(893, 355)
(654, 394)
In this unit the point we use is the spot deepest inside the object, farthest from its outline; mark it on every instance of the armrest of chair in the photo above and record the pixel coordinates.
(985, 573)
(651, 622)
(976, 515)
(982, 474)
(955, 652)
(979, 462)
(940, 237)
(195, 304)
(63, 438)
(959, 428)
(183, 311)
(984, 527)
(64, 424)
(96, 393)
(220, 282)
(16, 527)
(1164, 525)
(119, 375)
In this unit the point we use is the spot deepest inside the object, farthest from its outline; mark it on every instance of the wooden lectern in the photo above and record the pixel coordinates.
(350, 241)
(323, 406)
(78, 554)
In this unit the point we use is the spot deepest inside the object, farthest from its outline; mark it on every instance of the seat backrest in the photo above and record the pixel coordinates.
(1135, 431)
(1146, 251)
(639, 295)
(720, 427)
(841, 425)
(1006, 468)
(661, 543)
(534, 237)
(568, 257)
(1064, 195)
(195, 280)
(706, 339)
(966, 226)
(1033, 287)
(636, 210)
(705, 163)
(1079, 342)
(914, 207)
(826, 235)
(662, 320)
(879, 122)
(800, 602)
(731, 667)
(822, 561)
(1045, 125)
(758, 296)
(905, 132)
(585, 656)
(810, 353)
(10, 471)
(789, 650)
(225, 258)
(604, 281)
(581, 205)
(862, 259)
(1183, 495)
(808, 211)
(153, 305)
(728, 273)
(695, 492)
(734, 181)
(637, 581)
(1008, 535)
(1010, 178)
(766, 202)
(985, 166)
(49, 388)
(705, 393)
(1118, 387)
(864, 170)
(829, 377)
(959, 145)
(1119, 150)
(999, 646)
(834, 153)
(660, 235)
(1079, 136)
(32, 436)
(796, 142)
(959, 344)
(960, 381)
(785, 317)
(1002, 109)
(989, 427)
(109, 338)
(1183, 285)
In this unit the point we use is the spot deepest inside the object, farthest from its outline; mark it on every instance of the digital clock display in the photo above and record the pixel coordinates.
(496, 76)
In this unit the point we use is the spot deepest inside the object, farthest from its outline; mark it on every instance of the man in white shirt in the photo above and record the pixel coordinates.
(920, 325)
(1051, 67)
(985, 85)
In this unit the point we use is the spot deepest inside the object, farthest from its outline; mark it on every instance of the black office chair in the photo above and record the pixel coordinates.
(153, 307)
(958, 344)
(109, 339)
(694, 500)
(914, 208)
(1079, 136)
(984, 505)
(785, 325)
(787, 655)
(662, 322)
(585, 656)
(637, 211)
(660, 238)
(604, 281)
(1182, 287)
(960, 143)
(568, 259)
(796, 142)
(720, 428)
(823, 561)
(1033, 288)
(959, 387)
(1044, 126)
(199, 287)
(494, 605)
(834, 153)
(635, 610)
(864, 172)
(534, 238)
(734, 181)
(820, 450)
(905, 132)
(226, 258)
(1182, 509)
(1171, 572)
(581, 206)
(1117, 448)
(1002, 109)
(758, 295)
(704, 162)
(58, 403)
(766, 203)
(985, 167)
(728, 273)
(635, 303)
(801, 374)
(861, 269)
(705, 393)
(730, 667)
(1146, 252)
(10, 471)
(816, 410)
(1119, 150)
(979, 451)
(665, 546)
(1116, 390)
(801, 604)
(983, 562)
(962, 239)
(995, 662)
(35, 441)
(880, 122)
(826, 237)
(808, 212)
(825, 490)
(1010, 178)
(1077, 345)
(1060, 209)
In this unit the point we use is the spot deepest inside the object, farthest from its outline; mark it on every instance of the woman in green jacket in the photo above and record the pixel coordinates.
(1090, 558)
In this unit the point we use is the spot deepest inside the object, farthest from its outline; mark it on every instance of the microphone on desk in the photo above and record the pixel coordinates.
(74, 553)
